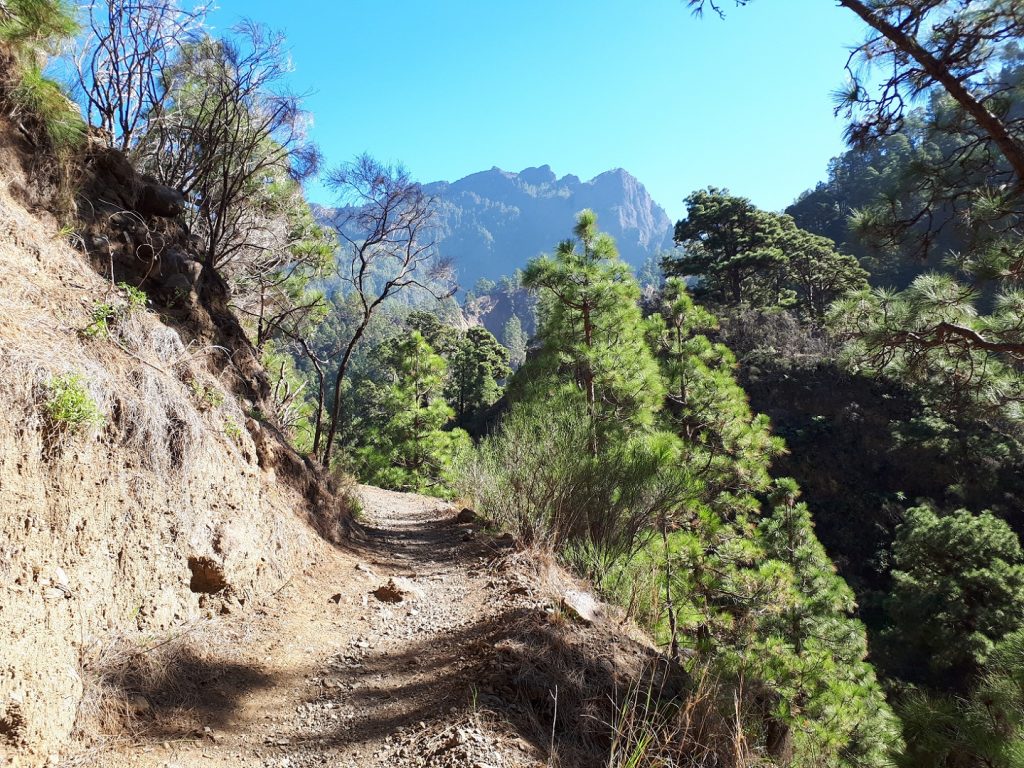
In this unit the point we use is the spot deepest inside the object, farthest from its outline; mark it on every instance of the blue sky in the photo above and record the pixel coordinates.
(451, 87)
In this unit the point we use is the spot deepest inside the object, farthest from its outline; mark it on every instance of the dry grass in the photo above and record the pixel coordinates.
(138, 375)
(603, 694)
(143, 688)
(141, 379)
(698, 729)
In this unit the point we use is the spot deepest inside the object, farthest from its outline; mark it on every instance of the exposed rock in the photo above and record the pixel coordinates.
(491, 223)
(581, 606)
(467, 515)
(157, 200)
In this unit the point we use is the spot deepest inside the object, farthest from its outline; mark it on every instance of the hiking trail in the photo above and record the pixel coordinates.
(377, 656)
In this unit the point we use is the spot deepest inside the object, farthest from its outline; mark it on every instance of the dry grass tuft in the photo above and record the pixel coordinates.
(139, 689)
(696, 729)
(158, 422)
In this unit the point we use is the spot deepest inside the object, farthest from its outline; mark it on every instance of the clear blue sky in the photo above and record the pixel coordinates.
(451, 87)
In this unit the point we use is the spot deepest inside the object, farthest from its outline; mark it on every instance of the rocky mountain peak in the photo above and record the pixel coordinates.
(493, 222)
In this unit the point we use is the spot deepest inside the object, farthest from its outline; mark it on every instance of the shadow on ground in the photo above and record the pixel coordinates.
(172, 691)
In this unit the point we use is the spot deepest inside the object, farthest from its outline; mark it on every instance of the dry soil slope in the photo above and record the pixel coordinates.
(109, 532)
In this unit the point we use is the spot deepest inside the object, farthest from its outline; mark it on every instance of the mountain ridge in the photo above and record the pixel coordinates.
(492, 222)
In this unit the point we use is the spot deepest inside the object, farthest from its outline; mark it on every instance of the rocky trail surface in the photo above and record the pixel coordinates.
(391, 654)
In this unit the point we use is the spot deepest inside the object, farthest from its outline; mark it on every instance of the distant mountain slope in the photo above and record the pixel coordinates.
(493, 222)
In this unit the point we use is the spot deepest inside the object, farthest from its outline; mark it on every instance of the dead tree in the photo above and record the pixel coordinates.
(120, 61)
(228, 125)
(387, 246)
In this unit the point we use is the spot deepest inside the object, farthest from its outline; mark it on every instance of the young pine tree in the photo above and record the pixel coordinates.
(514, 338)
(728, 447)
(475, 369)
(591, 333)
(410, 450)
(828, 691)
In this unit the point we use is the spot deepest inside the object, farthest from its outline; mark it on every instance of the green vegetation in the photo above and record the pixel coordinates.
(747, 256)
(984, 727)
(632, 452)
(207, 398)
(233, 430)
(409, 449)
(878, 320)
(29, 31)
(68, 406)
(958, 588)
(106, 315)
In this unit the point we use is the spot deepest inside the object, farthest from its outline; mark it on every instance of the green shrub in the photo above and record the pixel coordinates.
(232, 430)
(537, 478)
(105, 315)
(43, 99)
(68, 406)
(29, 29)
(136, 296)
(206, 397)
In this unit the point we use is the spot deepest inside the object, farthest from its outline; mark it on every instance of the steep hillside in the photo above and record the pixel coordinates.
(491, 223)
(141, 490)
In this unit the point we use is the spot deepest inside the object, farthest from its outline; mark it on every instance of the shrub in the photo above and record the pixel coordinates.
(233, 430)
(958, 588)
(107, 314)
(44, 99)
(68, 406)
(536, 477)
(29, 29)
(207, 398)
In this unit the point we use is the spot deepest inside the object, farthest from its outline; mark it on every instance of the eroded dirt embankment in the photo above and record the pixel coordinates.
(166, 507)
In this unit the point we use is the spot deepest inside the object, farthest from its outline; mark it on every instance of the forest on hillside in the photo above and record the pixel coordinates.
(790, 448)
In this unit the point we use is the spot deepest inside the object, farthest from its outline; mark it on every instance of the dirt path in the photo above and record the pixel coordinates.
(378, 657)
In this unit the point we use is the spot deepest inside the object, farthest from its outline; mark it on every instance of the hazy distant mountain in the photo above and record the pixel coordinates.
(493, 222)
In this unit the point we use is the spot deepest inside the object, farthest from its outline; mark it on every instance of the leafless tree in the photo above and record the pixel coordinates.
(387, 245)
(121, 58)
(228, 126)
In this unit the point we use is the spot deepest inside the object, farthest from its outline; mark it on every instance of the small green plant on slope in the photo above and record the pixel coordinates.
(107, 314)
(207, 398)
(68, 406)
(232, 430)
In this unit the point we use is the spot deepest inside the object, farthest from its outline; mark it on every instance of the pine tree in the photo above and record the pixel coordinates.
(958, 587)
(744, 255)
(726, 445)
(410, 450)
(829, 692)
(984, 729)
(514, 338)
(476, 366)
(591, 328)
